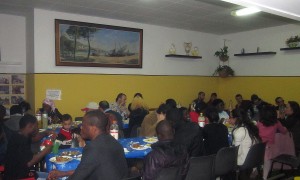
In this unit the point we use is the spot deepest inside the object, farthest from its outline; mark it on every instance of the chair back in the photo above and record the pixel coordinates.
(226, 161)
(201, 168)
(255, 156)
(171, 173)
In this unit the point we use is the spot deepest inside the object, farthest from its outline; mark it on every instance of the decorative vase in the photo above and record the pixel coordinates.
(172, 50)
(223, 58)
(187, 47)
(195, 51)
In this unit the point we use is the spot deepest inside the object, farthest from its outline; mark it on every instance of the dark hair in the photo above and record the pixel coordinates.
(276, 99)
(174, 115)
(212, 114)
(244, 121)
(268, 115)
(254, 97)
(163, 108)
(216, 102)
(2, 111)
(104, 105)
(120, 96)
(238, 95)
(295, 107)
(66, 117)
(27, 119)
(25, 106)
(171, 102)
(164, 128)
(15, 109)
(213, 94)
(183, 112)
(98, 119)
(201, 92)
(138, 94)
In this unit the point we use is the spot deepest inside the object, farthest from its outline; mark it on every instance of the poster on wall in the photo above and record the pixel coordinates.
(4, 89)
(87, 44)
(4, 100)
(18, 79)
(4, 79)
(17, 89)
(53, 94)
(17, 99)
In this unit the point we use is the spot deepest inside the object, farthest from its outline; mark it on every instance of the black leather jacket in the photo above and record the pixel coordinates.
(165, 154)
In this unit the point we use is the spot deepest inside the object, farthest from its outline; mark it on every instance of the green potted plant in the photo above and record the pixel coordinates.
(293, 41)
(224, 71)
(222, 54)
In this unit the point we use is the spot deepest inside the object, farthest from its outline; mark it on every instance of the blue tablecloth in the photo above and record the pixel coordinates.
(126, 143)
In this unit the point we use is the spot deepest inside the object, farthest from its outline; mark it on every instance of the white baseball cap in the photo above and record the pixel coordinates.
(91, 106)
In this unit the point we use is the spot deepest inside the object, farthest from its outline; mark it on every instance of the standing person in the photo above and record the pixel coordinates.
(19, 159)
(215, 134)
(245, 135)
(246, 105)
(200, 105)
(120, 105)
(103, 158)
(257, 105)
(48, 106)
(165, 153)
(268, 125)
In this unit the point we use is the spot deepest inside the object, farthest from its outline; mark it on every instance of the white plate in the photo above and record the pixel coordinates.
(78, 157)
(53, 159)
(141, 147)
(150, 140)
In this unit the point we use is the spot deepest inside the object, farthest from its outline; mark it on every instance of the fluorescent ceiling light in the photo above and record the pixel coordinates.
(245, 11)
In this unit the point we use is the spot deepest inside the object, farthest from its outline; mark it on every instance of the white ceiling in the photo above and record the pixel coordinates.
(211, 16)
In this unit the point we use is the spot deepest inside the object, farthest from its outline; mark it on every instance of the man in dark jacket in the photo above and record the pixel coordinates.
(103, 158)
(165, 153)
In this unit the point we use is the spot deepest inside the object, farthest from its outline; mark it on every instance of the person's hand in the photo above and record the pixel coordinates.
(51, 133)
(54, 174)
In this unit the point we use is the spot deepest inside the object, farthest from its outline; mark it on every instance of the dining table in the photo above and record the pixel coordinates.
(137, 147)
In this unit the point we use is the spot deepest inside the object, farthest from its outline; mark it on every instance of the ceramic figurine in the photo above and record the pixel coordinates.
(187, 47)
(172, 50)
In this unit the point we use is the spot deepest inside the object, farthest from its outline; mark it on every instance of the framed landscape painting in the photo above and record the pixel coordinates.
(87, 44)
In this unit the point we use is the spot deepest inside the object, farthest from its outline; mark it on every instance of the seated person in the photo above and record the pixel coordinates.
(19, 159)
(215, 134)
(165, 153)
(54, 116)
(219, 105)
(187, 133)
(15, 115)
(103, 158)
(66, 134)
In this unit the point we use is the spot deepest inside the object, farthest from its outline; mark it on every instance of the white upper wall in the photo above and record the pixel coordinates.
(156, 43)
(12, 44)
(284, 63)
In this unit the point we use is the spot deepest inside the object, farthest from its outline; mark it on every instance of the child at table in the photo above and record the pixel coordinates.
(66, 134)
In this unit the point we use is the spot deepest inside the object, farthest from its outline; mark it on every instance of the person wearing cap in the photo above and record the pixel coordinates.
(91, 106)
(120, 105)
(48, 106)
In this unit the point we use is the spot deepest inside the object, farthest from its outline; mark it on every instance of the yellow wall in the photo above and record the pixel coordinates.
(268, 88)
(79, 89)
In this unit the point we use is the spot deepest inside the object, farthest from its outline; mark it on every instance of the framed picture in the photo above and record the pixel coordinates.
(87, 44)
(4, 89)
(17, 89)
(4, 100)
(17, 79)
(17, 99)
(4, 79)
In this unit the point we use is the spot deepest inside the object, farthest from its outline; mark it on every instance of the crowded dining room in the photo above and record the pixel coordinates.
(149, 90)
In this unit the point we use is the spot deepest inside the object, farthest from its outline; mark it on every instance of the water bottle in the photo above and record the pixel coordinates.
(45, 120)
(39, 118)
(114, 130)
(201, 120)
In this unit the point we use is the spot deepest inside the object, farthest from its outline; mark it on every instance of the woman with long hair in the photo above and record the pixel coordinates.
(245, 135)
(268, 126)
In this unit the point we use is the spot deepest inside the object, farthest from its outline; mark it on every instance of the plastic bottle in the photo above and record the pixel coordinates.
(114, 130)
(45, 120)
(38, 116)
(201, 120)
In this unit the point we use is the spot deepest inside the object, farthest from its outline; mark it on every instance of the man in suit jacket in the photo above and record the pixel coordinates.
(103, 158)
